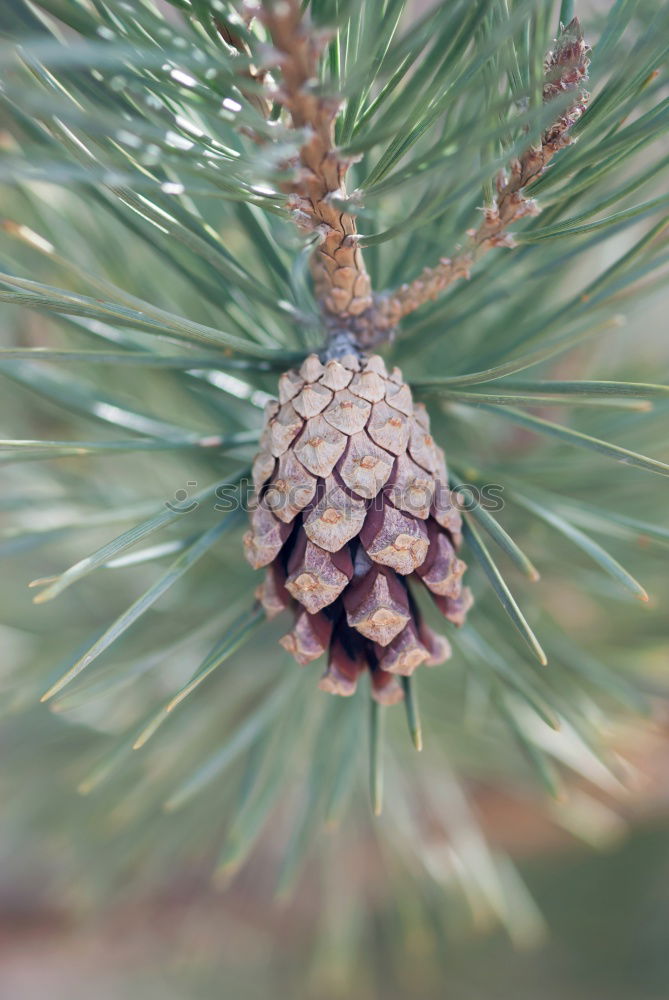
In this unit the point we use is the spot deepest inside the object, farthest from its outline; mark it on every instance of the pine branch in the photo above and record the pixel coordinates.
(342, 284)
(565, 70)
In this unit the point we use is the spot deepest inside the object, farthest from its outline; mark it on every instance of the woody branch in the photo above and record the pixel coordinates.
(565, 71)
(351, 311)
(341, 281)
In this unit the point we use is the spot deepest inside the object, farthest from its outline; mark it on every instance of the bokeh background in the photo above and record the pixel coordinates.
(593, 916)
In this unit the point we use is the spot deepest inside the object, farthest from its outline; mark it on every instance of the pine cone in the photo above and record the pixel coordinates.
(352, 501)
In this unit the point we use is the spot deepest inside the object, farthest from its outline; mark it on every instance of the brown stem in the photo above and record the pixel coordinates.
(353, 315)
(342, 284)
(565, 70)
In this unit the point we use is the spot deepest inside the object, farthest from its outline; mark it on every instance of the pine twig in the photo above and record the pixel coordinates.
(342, 284)
(565, 70)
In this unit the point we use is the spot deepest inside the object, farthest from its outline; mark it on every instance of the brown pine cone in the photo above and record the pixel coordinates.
(352, 501)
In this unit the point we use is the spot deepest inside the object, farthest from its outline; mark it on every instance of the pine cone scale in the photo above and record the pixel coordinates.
(366, 468)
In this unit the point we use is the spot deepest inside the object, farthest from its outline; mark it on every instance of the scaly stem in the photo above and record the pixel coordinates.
(565, 70)
(343, 287)
(355, 318)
